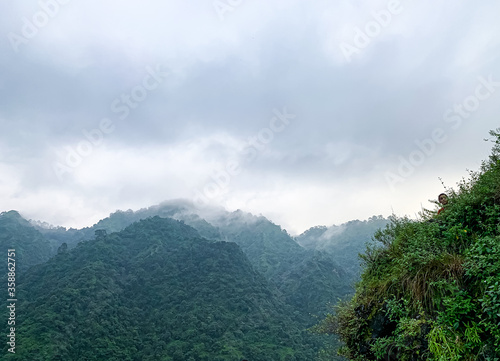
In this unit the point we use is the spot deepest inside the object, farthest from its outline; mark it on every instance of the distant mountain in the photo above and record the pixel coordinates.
(300, 277)
(343, 242)
(119, 220)
(154, 291)
(308, 279)
(269, 248)
(308, 272)
(31, 246)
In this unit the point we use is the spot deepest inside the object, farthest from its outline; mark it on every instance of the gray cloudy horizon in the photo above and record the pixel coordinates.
(309, 113)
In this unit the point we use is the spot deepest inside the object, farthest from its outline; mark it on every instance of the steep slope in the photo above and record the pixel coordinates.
(155, 291)
(343, 242)
(266, 245)
(30, 245)
(269, 248)
(312, 284)
(308, 279)
(430, 288)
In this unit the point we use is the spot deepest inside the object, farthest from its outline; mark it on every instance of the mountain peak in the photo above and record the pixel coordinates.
(13, 216)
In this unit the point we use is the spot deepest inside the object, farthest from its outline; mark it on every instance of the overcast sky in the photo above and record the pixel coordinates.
(307, 112)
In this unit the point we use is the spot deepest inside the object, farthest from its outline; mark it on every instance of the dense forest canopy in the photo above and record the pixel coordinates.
(141, 285)
(155, 291)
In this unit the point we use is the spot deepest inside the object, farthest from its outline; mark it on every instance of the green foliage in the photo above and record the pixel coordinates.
(443, 344)
(155, 291)
(343, 242)
(307, 279)
(409, 328)
(31, 246)
(483, 268)
(430, 288)
(303, 280)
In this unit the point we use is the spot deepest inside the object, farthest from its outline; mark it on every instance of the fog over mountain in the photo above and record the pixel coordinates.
(306, 112)
(218, 284)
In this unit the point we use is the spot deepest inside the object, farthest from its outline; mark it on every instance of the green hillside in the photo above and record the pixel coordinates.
(155, 291)
(307, 279)
(343, 242)
(31, 246)
(430, 288)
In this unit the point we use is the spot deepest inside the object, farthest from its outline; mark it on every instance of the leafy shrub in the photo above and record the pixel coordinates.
(430, 288)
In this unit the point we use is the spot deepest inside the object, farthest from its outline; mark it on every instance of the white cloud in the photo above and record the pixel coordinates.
(354, 119)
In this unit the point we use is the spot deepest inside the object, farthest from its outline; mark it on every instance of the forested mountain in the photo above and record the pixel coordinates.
(271, 250)
(430, 288)
(31, 246)
(308, 279)
(343, 242)
(117, 221)
(155, 291)
(262, 292)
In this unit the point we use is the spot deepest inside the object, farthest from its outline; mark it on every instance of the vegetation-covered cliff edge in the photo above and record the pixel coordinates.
(430, 288)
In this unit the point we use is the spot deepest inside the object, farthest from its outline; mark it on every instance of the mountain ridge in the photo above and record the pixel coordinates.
(154, 265)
